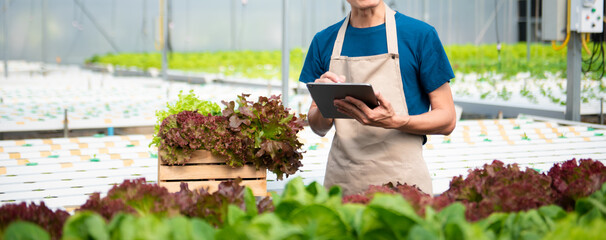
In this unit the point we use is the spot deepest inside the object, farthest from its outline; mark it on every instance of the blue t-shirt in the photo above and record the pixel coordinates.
(423, 63)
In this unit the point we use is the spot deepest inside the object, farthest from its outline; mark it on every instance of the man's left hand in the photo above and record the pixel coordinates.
(381, 116)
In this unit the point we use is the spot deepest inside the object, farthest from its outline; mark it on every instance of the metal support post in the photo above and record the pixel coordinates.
(573, 71)
(285, 53)
(304, 44)
(5, 36)
(65, 124)
(601, 110)
(43, 42)
(528, 38)
(232, 22)
(163, 9)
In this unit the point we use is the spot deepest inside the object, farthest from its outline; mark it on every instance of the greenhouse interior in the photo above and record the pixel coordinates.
(184, 119)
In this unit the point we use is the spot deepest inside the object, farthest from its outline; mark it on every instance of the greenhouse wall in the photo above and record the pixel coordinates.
(74, 29)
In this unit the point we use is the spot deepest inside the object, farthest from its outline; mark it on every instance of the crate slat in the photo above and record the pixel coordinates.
(203, 172)
(207, 170)
(206, 157)
(258, 187)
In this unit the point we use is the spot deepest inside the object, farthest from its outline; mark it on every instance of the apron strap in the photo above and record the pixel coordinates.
(336, 51)
(390, 29)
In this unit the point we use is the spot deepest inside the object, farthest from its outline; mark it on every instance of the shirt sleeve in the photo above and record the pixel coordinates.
(435, 69)
(312, 67)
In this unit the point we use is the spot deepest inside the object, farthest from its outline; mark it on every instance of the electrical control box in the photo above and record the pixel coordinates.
(587, 16)
(554, 20)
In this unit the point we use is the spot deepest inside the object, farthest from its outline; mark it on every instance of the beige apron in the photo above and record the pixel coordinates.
(362, 155)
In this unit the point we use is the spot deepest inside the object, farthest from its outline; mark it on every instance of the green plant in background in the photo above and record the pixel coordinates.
(504, 94)
(525, 92)
(484, 58)
(249, 64)
(483, 61)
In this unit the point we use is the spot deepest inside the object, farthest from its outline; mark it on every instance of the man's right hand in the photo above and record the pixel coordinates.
(319, 124)
(329, 77)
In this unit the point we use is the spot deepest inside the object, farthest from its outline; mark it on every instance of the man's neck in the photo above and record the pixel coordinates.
(368, 17)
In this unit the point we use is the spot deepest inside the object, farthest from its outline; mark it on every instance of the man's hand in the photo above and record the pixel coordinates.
(381, 116)
(319, 124)
(440, 120)
(329, 77)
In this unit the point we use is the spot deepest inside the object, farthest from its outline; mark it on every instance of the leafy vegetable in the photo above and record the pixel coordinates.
(313, 212)
(107, 207)
(25, 231)
(500, 188)
(572, 181)
(183, 133)
(296, 194)
(273, 131)
(266, 64)
(133, 196)
(418, 199)
(571, 228)
(263, 133)
(532, 224)
(90, 225)
(85, 225)
(593, 206)
(213, 207)
(143, 199)
(51, 221)
(249, 64)
(189, 102)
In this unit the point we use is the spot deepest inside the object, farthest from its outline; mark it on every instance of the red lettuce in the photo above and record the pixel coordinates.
(572, 181)
(51, 221)
(142, 198)
(500, 188)
(133, 196)
(417, 198)
(262, 133)
(183, 133)
(272, 131)
(212, 207)
(106, 207)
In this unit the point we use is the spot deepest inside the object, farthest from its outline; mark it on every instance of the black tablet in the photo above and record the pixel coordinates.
(324, 95)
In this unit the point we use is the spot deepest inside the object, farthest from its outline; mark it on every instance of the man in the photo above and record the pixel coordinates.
(404, 60)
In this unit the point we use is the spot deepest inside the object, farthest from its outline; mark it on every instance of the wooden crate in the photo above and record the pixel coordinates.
(207, 170)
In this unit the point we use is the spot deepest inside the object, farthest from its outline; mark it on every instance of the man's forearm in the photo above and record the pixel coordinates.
(433, 122)
(318, 124)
